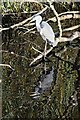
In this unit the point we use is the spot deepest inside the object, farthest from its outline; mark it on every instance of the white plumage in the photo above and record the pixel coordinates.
(45, 31)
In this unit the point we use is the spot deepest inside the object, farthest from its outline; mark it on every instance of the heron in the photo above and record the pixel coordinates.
(45, 31)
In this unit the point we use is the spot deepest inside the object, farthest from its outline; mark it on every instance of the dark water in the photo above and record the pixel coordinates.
(49, 90)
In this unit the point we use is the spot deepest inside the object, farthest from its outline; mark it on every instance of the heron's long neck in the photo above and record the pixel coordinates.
(38, 25)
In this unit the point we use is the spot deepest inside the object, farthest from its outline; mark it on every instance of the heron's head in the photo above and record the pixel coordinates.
(36, 18)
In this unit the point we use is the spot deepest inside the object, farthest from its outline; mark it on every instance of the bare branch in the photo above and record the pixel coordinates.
(3, 29)
(57, 16)
(41, 55)
(74, 36)
(71, 28)
(67, 15)
(6, 65)
(70, 12)
(23, 22)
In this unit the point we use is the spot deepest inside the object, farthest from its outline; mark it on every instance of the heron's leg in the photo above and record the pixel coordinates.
(45, 50)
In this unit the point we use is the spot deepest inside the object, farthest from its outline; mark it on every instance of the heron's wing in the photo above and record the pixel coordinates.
(47, 32)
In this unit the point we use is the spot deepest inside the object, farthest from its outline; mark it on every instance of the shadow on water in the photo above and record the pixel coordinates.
(44, 81)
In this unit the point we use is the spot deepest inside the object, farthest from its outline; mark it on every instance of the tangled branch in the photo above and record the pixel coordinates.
(63, 39)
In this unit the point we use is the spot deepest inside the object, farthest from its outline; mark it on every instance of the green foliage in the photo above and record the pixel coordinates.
(11, 7)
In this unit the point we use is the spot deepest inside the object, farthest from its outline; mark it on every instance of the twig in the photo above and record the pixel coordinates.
(37, 50)
(29, 24)
(6, 65)
(29, 30)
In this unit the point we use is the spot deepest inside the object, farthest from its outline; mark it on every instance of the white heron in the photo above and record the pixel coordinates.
(45, 31)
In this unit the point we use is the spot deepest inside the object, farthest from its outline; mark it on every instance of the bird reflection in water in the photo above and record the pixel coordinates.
(44, 82)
